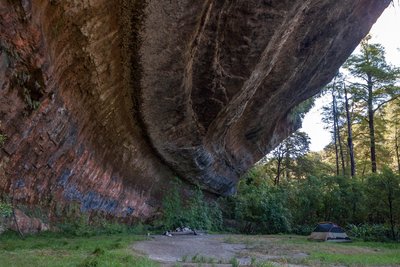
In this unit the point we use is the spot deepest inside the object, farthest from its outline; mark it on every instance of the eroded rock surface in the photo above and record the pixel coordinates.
(103, 102)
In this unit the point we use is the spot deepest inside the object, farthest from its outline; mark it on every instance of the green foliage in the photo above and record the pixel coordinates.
(371, 62)
(83, 226)
(173, 213)
(234, 262)
(296, 206)
(384, 199)
(5, 210)
(201, 259)
(298, 112)
(260, 208)
(306, 201)
(281, 161)
(302, 229)
(76, 223)
(78, 226)
(264, 264)
(3, 139)
(370, 232)
(196, 213)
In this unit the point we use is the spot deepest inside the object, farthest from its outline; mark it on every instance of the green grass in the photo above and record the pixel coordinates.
(234, 262)
(50, 249)
(200, 259)
(378, 259)
(357, 253)
(57, 250)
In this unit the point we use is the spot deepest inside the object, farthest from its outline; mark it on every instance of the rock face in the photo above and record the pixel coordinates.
(21, 222)
(103, 102)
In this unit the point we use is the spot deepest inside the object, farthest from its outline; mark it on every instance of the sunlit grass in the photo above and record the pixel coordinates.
(57, 250)
(362, 259)
(357, 253)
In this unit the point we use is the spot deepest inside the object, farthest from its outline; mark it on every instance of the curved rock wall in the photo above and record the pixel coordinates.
(103, 102)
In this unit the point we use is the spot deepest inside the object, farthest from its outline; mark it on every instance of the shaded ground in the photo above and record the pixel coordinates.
(285, 250)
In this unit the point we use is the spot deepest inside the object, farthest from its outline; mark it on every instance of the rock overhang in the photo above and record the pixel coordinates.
(104, 101)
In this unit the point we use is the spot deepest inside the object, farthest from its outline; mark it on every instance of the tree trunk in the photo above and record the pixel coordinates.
(278, 171)
(392, 223)
(341, 149)
(287, 164)
(349, 136)
(334, 133)
(396, 137)
(339, 140)
(371, 125)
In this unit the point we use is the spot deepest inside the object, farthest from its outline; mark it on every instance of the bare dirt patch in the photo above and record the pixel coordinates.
(215, 250)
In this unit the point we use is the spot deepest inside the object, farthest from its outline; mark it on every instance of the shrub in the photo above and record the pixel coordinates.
(5, 210)
(370, 232)
(260, 208)
(76, 223)
(383, 191)
(302, 229)
(196, 213)
(77, 226)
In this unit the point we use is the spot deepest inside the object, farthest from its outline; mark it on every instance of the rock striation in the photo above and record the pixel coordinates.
(103, 102)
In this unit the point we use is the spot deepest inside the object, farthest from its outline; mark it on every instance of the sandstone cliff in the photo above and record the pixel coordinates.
(102, 102)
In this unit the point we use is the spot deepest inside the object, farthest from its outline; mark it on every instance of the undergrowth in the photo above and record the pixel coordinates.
(195, 212)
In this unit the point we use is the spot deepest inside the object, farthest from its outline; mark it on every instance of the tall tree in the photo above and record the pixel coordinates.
(393, 114)
(396, 138)
(332, 117)
(349, 134)
(335, 132)
(374, 85)
(283, 156)
(339, 138)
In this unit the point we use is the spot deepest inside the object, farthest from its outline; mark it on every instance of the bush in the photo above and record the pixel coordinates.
(368, 232)
(383, 191)
(195, 213)
(302, 229)
(77, 226)
(260, 208)
(5, 210)
(76, 223)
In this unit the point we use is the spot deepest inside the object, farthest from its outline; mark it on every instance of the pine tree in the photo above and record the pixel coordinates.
(374, 86)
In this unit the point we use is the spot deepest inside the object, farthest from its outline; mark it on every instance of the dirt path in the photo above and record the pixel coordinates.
(209, 250)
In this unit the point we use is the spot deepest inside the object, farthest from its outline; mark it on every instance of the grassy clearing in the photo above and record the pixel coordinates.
(288, 248)
(114, 250)
(386, 258)
(57, 250)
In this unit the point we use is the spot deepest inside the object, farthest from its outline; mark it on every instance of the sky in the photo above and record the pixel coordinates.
(386, 32)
